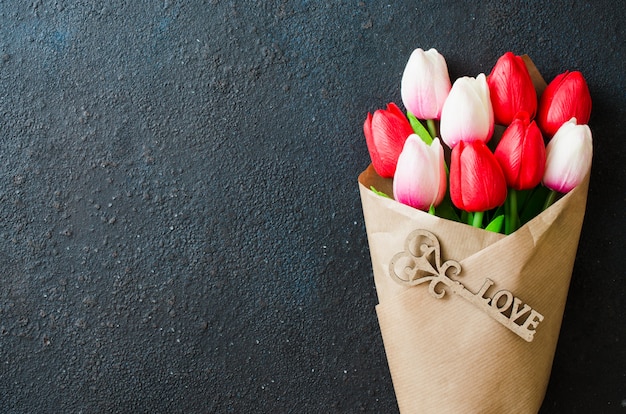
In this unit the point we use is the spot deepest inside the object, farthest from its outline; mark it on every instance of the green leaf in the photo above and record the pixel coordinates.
(446, 210)
(534, 204)
(522, 198)
(494, 213)
(465, 217)
(380, 193)
(419, 129)
(496, 224)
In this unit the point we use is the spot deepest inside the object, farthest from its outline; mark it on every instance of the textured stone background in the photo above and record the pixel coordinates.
(180, 224)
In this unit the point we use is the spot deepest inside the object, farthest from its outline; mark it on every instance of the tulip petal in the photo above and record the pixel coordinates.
(467, 114)
(511, 89)
(418, 181)
(568, 157)
(425, 84)
(565, 97)
(476, 179)
(385, 133)
(521, 153)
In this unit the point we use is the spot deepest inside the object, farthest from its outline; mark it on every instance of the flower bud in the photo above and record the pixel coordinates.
(511, 89)
(522, 153)
(420, 179)
(425, 84)
(476, 179)
(568, 157)
(566, 97)
(385, 133)
(467, 114)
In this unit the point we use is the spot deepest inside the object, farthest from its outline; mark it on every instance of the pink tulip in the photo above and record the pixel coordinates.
(566, 97)
(568, 157)
(420, 179)
(425, 84)
(385, 133)
(467, 114)
(511, 89)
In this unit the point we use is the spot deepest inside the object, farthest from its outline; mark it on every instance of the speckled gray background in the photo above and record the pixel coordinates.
(180, 224)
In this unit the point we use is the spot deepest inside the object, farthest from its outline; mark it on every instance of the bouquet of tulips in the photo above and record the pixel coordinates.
(467, 112)
(491, 217)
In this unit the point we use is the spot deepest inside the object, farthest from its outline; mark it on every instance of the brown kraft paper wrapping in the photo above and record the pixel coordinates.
(448, 355)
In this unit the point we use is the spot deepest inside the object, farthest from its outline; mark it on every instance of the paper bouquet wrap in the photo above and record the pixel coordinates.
(469, 318)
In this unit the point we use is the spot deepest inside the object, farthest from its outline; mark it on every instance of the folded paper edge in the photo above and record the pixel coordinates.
(368, 178)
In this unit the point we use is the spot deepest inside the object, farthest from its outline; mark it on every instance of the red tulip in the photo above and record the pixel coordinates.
(522, 153)
(566, 97)
(385, 134)
(420, 179)
(511, 89)
(476, 180)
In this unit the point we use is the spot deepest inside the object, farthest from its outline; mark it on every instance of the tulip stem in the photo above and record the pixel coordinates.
(431, 210)
(550, 199)
(512, 217)
(514, 214)
(432, 128)
(477, 221)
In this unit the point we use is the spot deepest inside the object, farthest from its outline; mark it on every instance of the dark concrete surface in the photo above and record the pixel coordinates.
(180, 224)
